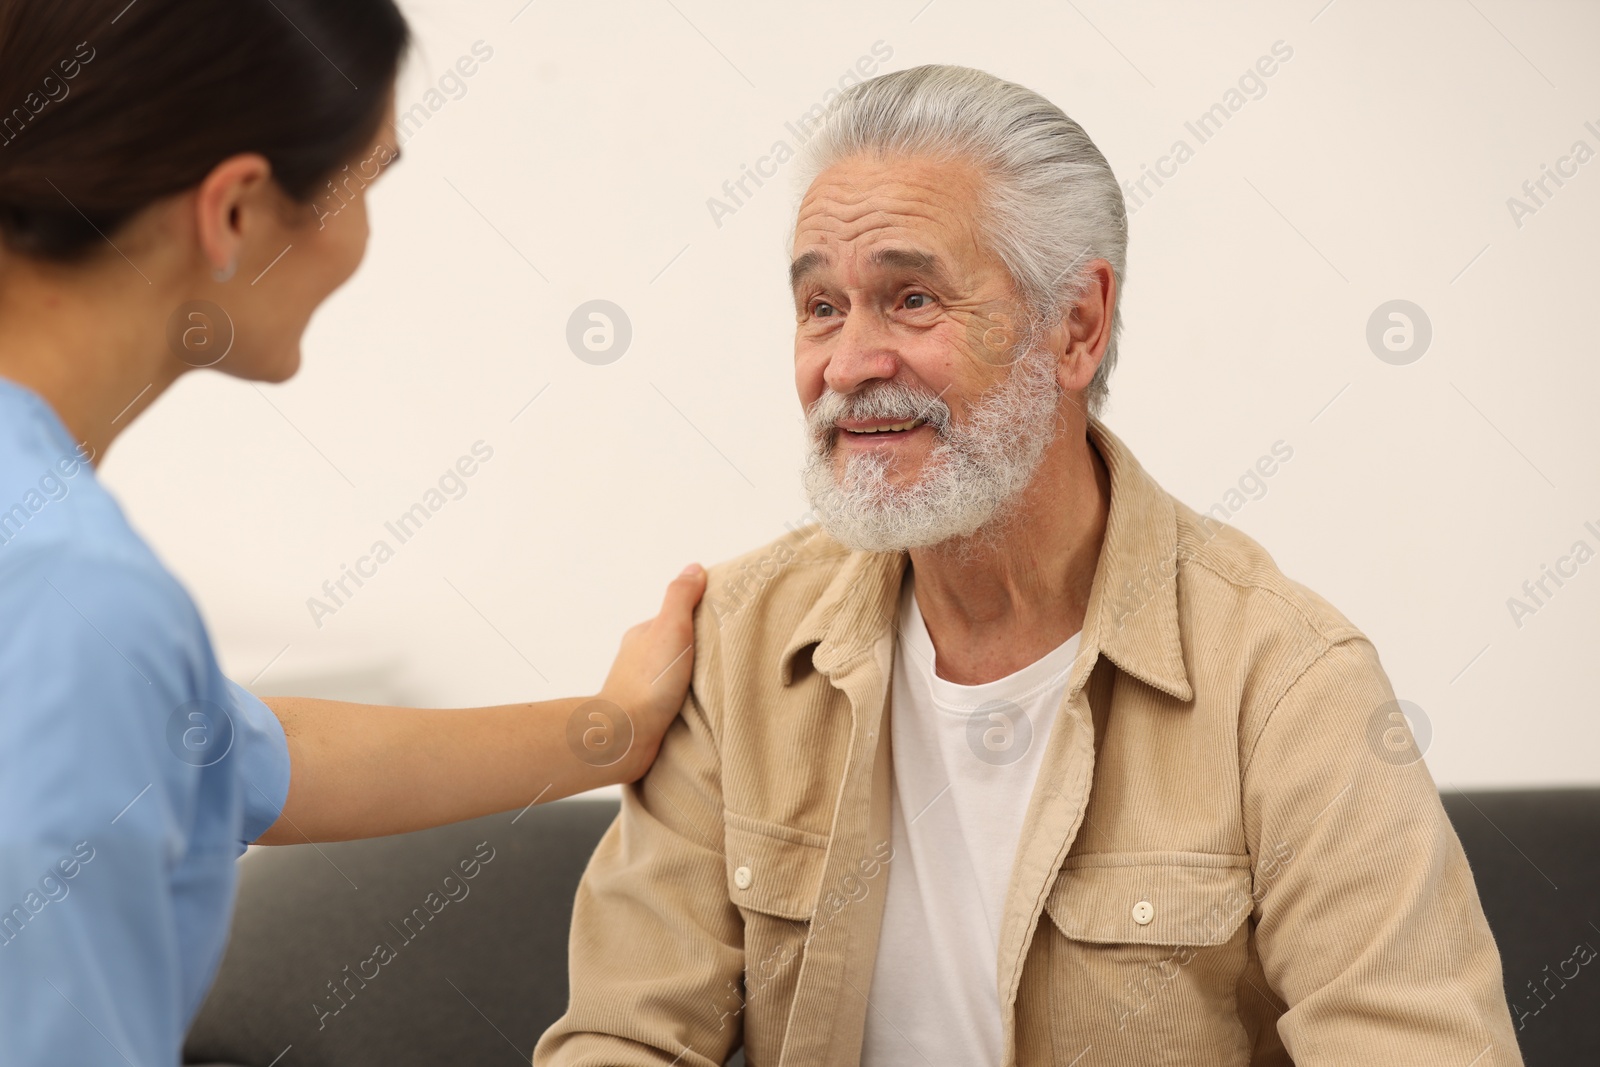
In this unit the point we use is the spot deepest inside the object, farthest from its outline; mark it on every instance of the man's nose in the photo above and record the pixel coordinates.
(863, 353)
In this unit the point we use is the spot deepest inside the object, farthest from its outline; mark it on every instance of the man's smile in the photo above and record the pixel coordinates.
(871, 433)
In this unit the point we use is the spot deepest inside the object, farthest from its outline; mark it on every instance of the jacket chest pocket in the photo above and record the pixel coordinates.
(1145, 955)
(774, 876)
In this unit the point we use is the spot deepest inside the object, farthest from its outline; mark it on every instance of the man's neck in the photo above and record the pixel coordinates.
(1004, 599)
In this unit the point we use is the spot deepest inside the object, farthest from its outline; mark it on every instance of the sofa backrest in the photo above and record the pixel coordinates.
(476, 967)
(1535, 855)
(386, 951)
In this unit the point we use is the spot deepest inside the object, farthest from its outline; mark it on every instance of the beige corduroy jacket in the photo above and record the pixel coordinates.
(1226, 766)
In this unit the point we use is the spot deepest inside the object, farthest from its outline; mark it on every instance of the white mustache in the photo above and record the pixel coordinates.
(968, 480)
(887, 400)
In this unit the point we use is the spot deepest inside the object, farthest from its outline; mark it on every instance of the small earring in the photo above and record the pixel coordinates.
(226, 273)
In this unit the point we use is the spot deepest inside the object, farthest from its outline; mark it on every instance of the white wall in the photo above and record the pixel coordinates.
(578, 165)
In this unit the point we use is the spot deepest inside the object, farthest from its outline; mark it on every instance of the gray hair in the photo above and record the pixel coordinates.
(1052, 201)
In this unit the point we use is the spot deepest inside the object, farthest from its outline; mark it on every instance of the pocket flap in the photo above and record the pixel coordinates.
(772, 868)
(1151, 898)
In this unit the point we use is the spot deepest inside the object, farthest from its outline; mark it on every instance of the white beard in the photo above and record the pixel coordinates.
(970, 479)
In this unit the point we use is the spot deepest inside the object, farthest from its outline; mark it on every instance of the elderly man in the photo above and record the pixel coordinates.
(1021, 760)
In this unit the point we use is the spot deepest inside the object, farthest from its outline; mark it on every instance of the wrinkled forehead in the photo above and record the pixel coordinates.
(857, 208)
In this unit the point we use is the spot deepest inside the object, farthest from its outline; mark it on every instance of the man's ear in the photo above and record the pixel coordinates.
(235, 188)
(1088, 327)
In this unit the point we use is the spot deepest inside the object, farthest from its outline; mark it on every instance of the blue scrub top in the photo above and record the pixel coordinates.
(132, 774)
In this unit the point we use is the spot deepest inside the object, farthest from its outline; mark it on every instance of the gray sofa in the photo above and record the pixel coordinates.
(475, 966)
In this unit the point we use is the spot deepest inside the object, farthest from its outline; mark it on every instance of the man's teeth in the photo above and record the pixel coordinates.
(909, 424)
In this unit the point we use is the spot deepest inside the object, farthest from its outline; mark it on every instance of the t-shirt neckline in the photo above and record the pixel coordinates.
(1020, 685)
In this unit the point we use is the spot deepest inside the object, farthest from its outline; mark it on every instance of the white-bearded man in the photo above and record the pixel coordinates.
(1021, 760)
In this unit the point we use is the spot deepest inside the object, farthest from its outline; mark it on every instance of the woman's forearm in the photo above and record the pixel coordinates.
(359, 770)
(356, 770)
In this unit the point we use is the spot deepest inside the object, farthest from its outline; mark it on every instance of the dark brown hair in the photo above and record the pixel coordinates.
(107, 106)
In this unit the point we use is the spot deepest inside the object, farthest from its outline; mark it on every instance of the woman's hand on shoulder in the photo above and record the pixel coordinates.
(650, 678)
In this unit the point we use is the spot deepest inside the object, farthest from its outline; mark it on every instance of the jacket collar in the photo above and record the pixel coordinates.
(853, 611)
(1133, 603)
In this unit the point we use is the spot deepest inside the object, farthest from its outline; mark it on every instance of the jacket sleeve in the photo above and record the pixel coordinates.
(656, 956)
(1369, 925)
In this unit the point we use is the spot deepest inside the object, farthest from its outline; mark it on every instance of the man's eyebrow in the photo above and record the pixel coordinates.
(910, 259)
(805, 264)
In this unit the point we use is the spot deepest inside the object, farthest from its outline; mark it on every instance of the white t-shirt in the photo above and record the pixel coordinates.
(965, 761)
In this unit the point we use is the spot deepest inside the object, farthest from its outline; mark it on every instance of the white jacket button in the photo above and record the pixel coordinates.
(741, 877)
(1143, 913)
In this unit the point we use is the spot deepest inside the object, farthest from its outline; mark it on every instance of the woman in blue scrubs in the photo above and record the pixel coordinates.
(156, 157)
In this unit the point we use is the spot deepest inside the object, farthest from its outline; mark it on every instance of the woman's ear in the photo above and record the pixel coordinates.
(235, 188)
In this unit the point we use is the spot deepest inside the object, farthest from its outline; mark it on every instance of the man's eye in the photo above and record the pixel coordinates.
(917, 301)
(822, 310)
